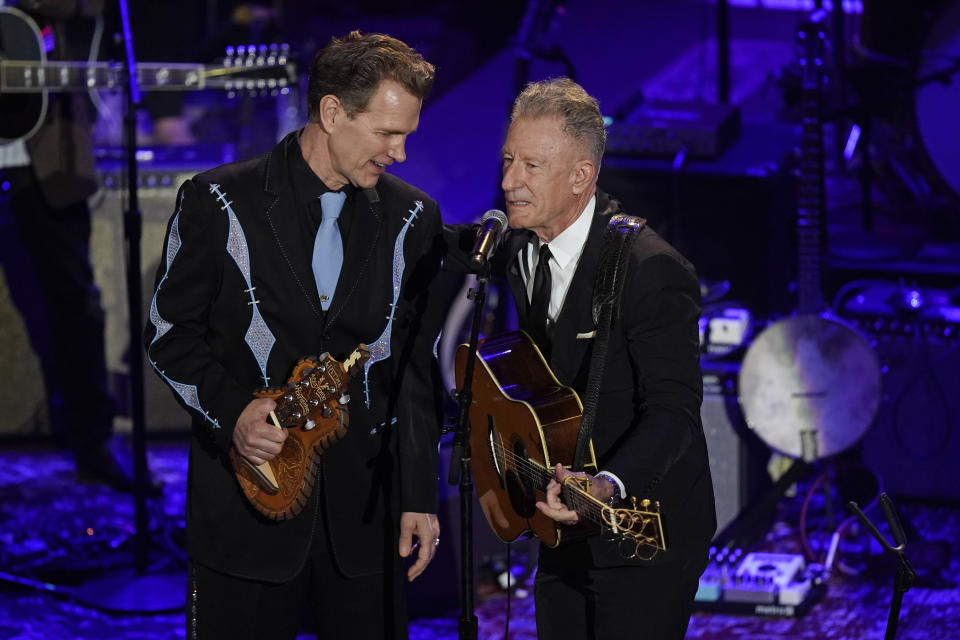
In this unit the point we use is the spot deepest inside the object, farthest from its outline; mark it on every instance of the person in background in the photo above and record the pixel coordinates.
(50, 176)
(310, 248)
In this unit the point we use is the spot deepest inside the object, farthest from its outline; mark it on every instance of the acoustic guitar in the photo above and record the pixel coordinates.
(313, 406)
(27, 77)
(524, 422)
(810, 384)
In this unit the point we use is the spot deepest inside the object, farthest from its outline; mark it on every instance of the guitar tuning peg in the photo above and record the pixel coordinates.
(344, 399)
(326, 412)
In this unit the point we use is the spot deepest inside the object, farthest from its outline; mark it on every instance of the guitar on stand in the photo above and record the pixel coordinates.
(810, 384)
(27, 77)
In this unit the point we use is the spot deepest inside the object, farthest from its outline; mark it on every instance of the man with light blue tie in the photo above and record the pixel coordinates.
(310, 248)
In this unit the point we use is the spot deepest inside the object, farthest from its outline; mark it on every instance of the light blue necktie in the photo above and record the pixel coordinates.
(328, 247)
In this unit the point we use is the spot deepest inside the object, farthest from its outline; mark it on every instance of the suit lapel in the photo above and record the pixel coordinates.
(281, 214)
(511, 252)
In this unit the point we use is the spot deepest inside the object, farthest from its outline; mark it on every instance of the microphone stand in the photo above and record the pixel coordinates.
(141, 592)
(460, 463)
(906, 576)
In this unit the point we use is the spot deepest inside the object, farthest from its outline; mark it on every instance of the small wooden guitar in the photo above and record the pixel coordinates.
(523, 422)
(26, 77)
(313, 407)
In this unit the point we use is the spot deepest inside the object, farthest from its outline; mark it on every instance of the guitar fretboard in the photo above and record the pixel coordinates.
(21, 76)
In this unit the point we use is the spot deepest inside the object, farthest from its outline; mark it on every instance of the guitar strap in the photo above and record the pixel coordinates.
(607, 291)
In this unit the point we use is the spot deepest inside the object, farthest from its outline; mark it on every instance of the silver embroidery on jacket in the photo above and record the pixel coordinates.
(186, 391)
(380, 349)
(258, 336)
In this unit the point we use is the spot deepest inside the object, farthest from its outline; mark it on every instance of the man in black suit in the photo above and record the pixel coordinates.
(648, 437)
(244, 292)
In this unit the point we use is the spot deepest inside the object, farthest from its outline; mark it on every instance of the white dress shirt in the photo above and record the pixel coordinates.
(565, 252)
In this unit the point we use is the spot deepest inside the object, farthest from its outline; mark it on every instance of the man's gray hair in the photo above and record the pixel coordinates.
(564, 99)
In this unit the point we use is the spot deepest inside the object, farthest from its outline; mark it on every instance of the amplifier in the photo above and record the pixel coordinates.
(665, 128)
(737, 456)
(157, 196)
(914, 443)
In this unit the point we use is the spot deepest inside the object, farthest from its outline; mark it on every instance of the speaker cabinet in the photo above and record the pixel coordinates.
(914, 443)
(737, 456)
(731, 217)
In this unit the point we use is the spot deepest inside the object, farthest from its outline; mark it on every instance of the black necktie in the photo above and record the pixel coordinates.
(540, 300)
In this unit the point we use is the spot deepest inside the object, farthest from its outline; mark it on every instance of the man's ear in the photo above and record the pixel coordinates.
(331, 112)
(583, 175)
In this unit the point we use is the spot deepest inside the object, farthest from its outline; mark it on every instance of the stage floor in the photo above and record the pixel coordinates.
(62, 534)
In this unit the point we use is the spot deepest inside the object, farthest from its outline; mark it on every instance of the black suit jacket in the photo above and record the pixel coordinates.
(236, 301)
(647, 430)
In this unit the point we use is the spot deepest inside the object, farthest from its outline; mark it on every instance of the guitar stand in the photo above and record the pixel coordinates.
(460, 464)
(906, 576)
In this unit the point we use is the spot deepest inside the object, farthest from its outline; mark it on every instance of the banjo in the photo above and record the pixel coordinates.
(27, 77)
(809, 384)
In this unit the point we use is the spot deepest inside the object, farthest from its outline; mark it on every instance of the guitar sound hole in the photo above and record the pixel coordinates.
(519, 485)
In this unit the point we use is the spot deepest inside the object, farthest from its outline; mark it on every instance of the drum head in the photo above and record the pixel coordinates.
(810, 387)
(938, 96)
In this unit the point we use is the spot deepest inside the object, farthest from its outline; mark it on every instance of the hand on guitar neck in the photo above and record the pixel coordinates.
(555, 509)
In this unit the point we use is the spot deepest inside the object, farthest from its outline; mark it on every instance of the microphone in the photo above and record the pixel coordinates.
(492, 225)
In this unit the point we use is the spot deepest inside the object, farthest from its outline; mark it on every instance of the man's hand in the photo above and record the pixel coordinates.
(554, 508)
(256, 439)
(427, 529)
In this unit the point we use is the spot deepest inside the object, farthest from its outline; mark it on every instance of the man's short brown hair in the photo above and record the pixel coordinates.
(352, 68)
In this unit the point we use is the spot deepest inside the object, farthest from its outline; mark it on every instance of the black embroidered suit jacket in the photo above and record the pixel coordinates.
(236, 302)
(647, 429)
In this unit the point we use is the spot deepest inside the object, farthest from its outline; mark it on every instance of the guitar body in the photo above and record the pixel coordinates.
(523, 422)
(312, 407)
(21, 114)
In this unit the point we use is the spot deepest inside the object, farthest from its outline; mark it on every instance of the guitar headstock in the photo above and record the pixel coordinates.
(264, 69)
(638, 528)
(317, 390)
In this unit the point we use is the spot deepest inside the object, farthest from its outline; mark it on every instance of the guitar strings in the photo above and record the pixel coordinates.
(626, 522)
